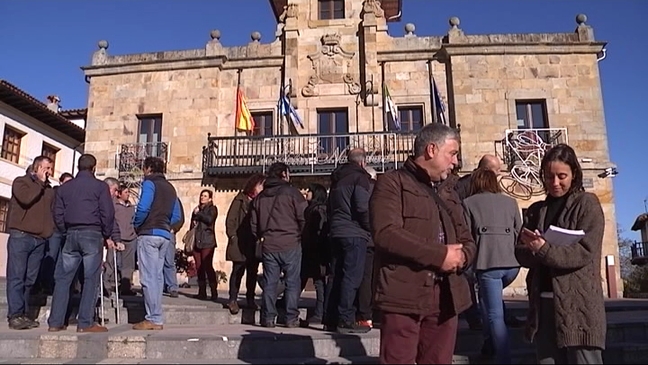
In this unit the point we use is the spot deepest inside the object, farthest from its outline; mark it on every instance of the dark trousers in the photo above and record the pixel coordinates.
(364, 298)
(80, 246)
(320, 285)
(24, 256)
(548, 352)
(416, 339)
(204, 258)
(273, 264)
(348, 268)
(53, 247)
(251, 267)
(125, 266)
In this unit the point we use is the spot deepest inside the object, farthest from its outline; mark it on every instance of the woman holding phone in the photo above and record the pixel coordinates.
(566, 319)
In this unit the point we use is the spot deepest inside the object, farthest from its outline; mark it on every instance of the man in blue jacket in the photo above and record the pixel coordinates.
(84, 212)
(157, 212)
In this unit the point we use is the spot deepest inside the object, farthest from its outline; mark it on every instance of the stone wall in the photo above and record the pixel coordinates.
(341, 64)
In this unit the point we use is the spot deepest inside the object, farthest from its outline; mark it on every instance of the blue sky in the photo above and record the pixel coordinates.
(44, 43)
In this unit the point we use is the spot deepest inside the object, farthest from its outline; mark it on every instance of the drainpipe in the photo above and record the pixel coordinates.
(395, 16)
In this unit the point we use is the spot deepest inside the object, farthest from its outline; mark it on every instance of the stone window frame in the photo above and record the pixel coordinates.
(513, 97)
(317, 13)
(12, 137)
(401, 106)
(273, 119)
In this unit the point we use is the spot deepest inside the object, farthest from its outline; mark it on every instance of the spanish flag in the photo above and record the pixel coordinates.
(244, 120)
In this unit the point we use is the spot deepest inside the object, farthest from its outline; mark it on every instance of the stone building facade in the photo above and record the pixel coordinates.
(510, 94)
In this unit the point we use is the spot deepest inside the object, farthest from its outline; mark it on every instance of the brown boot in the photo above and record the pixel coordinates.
(147, 325)
(233, 307)
(214, 291)
(202, 290)
(95, 328)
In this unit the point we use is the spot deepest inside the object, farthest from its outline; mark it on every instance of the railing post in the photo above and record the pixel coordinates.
(611, 277)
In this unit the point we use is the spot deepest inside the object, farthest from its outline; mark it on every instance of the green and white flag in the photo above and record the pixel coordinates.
(391, 108)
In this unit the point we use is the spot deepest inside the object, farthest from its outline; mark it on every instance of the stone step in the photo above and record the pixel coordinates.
(236, 344)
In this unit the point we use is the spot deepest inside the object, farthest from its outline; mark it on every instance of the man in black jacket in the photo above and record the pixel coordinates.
(277, 219)
(350, 234)
(84, 212)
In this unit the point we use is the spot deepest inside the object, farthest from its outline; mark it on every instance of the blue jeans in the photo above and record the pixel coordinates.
(151, 253)
(491, 284)
(52, 251)
(170, 278)
(348, 268)
(273, 264)
(24, 256)
(80, 246)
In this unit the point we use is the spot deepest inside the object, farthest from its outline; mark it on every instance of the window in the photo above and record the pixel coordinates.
(411, 119)
(4, 214)
(11, 144)
(333, 121)
(150, 135)
(331, 9)
(263, 124)
(531, 114)
(50, 151)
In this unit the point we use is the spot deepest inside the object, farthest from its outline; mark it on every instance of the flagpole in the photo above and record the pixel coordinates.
(384, 98)
(373, 105)
(238, 86)
(433, 96)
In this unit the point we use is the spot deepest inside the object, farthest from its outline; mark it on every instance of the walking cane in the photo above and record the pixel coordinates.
(101, 299)
(116, 284)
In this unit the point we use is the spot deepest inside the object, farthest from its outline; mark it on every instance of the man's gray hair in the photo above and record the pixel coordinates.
(111, 181)
(436, 133)
(357, 155)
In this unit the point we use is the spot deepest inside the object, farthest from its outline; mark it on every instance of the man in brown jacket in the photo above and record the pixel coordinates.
(30, 223)
(422, 245)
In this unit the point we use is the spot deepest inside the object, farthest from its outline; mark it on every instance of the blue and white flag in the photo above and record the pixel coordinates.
(440, 107)
(287, 110)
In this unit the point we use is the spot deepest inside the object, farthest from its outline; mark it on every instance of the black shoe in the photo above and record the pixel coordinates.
(32, 323)
(346, 328)
(268, 324)
(174, 294)
(293, 324)
(20, 323)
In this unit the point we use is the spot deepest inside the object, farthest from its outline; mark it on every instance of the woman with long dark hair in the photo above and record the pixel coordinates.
(566, 319)
(204, 219)
(315, 253)
(240, 244)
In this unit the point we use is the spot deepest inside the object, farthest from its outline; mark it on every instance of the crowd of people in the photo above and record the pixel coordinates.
(408, 249)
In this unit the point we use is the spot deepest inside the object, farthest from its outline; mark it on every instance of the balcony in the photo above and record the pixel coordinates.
(131, 157)
(522, 150)
(305, 154)
(639, 253)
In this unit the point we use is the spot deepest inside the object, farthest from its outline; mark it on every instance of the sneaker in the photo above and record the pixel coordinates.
(346, 328)
(32, 323)
(19, 323)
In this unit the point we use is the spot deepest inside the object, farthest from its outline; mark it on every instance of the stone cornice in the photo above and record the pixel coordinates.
(183, 64)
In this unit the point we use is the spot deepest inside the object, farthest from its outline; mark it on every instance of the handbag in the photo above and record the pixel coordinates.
(258, 246)
(189, 240)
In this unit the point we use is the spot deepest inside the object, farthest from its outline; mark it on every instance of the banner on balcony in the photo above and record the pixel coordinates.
(289, 112)
(243, 118)
(391, 109)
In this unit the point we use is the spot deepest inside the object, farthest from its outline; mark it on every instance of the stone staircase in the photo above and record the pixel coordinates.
(204, 332)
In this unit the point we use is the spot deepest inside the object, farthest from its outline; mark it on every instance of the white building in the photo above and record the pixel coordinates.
(31, 128)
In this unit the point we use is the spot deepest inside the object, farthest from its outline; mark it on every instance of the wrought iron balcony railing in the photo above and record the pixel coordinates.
(132, 155)
(305, 154)
(522, 150)
(639, 252)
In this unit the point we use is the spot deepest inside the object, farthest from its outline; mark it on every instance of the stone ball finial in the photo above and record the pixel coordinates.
(581, 19)
(454, 21)
(103, 44)
(256, 36)
(410, 28)
(215, 34)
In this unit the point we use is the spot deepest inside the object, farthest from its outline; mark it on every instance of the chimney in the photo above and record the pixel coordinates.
(53, 103)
